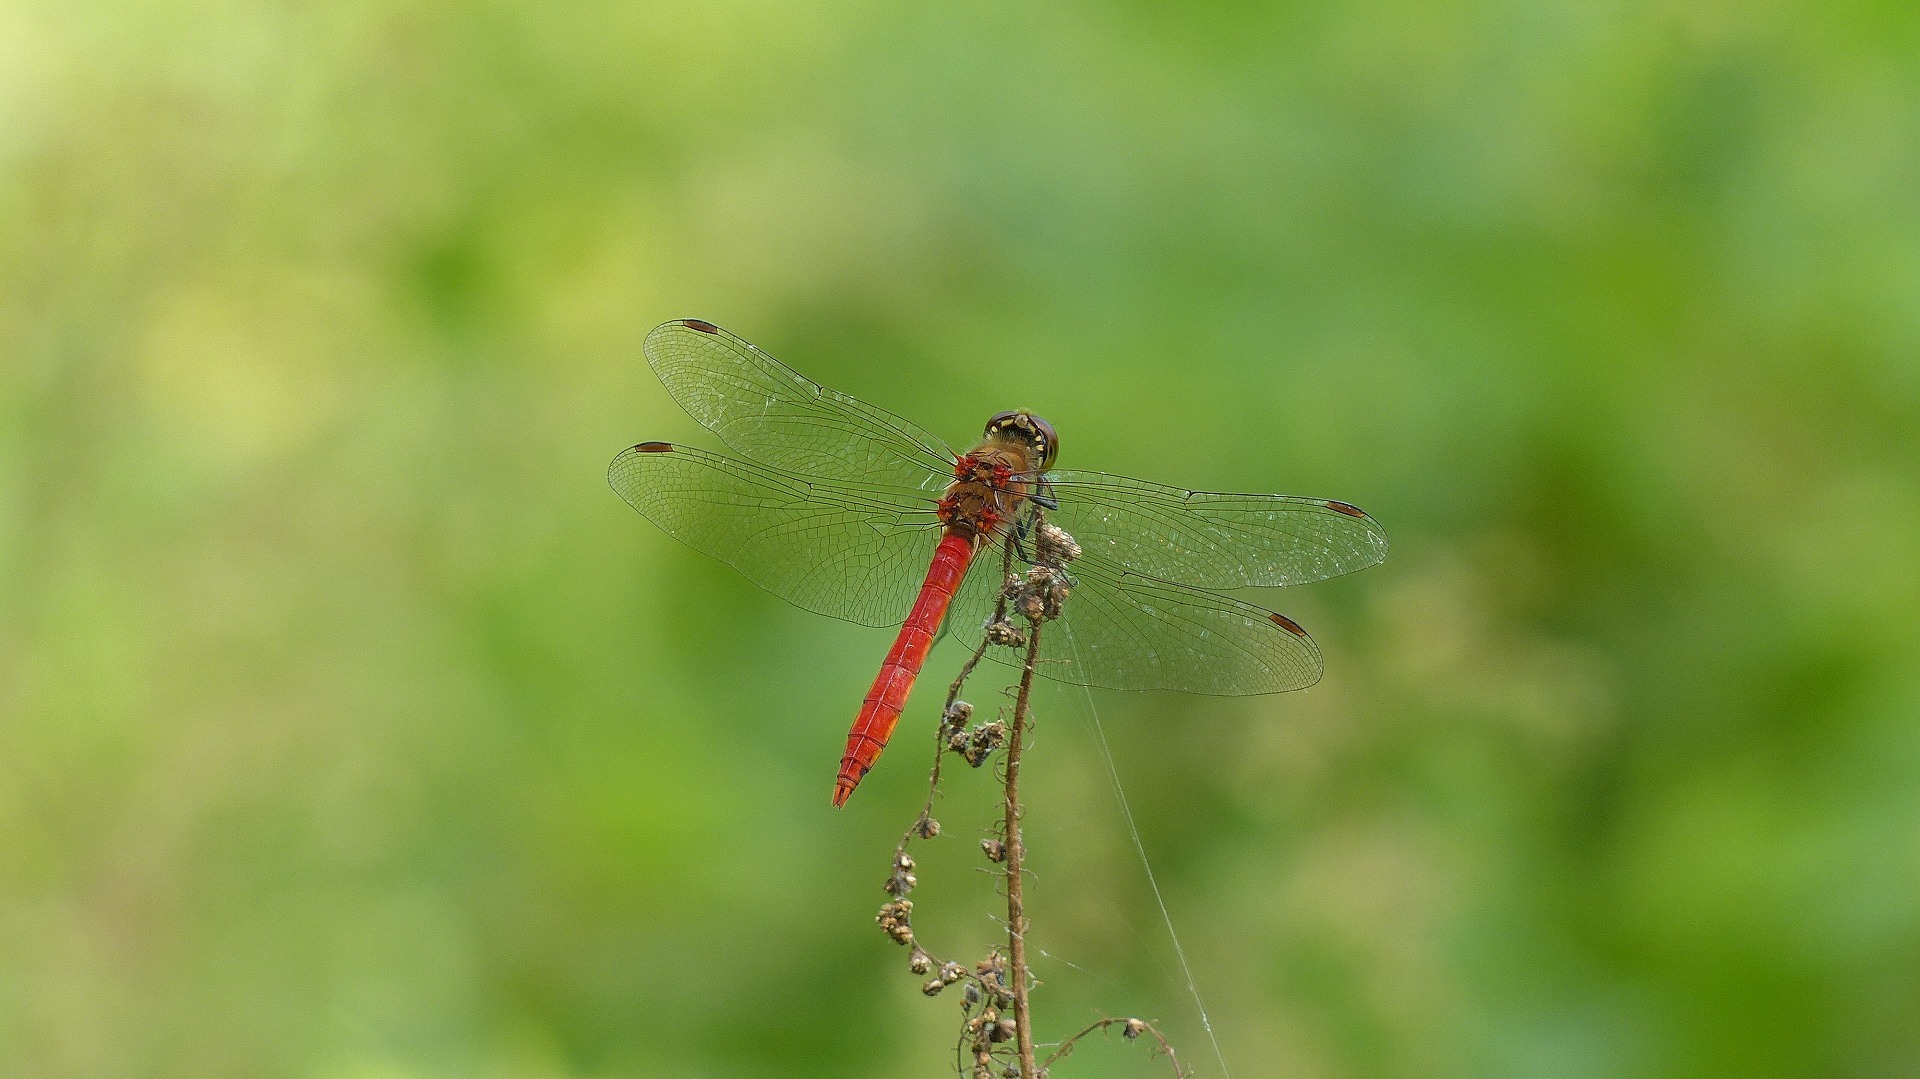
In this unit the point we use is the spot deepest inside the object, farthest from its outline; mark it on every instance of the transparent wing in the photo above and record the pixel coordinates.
(775, 416)
(1214, 541)
(1121, 630)
(850, 551)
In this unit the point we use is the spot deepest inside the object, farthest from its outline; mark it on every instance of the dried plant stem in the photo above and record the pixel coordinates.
(1132, 1028)
(1016, 853)
(998, 984)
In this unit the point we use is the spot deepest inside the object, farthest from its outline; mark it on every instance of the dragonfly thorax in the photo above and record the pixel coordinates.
(987, 487)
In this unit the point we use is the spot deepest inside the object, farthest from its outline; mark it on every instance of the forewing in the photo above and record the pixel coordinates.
(778, 417)
(1214, 541)
(848, 551)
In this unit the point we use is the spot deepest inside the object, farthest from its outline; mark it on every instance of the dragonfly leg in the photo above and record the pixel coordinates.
(1042, 494)
(1017, 540)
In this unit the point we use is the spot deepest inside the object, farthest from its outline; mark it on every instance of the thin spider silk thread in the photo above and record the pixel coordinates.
(1126, 810)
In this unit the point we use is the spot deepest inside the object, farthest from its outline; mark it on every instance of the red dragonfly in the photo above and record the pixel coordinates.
(850, 511)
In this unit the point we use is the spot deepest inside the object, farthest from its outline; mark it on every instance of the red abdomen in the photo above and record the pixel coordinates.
(884, 703)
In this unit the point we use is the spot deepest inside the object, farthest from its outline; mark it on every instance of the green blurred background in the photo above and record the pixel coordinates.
(351, 728)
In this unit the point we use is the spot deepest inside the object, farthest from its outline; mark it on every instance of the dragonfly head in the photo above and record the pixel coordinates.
(1030, 431)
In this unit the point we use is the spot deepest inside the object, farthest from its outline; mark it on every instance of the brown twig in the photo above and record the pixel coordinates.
(1016, 854)
(1000, 982)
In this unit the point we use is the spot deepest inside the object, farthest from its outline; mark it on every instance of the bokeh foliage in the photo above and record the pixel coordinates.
(350, 727)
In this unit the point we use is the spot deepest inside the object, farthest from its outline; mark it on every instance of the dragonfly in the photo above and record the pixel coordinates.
(850, 511)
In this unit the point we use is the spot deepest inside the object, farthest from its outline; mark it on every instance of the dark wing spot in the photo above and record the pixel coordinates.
(654, 447)
(696, 324)
(1342, 507)
(1287, 624)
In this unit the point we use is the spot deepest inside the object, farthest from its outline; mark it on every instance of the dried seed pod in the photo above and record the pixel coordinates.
(1053, 545)
(958, 714)
(920, 962)
(995, 850)
(902, 880)
(1133, 1028)
(952, 972)
(927, 828)
(992, 975)
(985, 738)
(933, 987)
(1032, 607)
(1002, 1031)
(1056, 597)
(893, 919)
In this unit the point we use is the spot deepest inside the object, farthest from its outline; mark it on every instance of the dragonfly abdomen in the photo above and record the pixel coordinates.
(880, 712)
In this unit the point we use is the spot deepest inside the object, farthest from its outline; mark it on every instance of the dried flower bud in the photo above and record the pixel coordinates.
(958, 714)
(1057, 594)
(1053, 545)
(995, 850)
(902, 880)
(1032, 608)
(933, 987)
(985, 738)
(1041, 594)
(991, 973)
(982, 741)
(973, 994)
(920, 962)
(1133, 1028)
(893, 920)
(927, 828)
(1002, 1031)
(952, 972)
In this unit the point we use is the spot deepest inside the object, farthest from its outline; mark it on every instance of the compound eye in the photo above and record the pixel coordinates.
(1049, 441)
